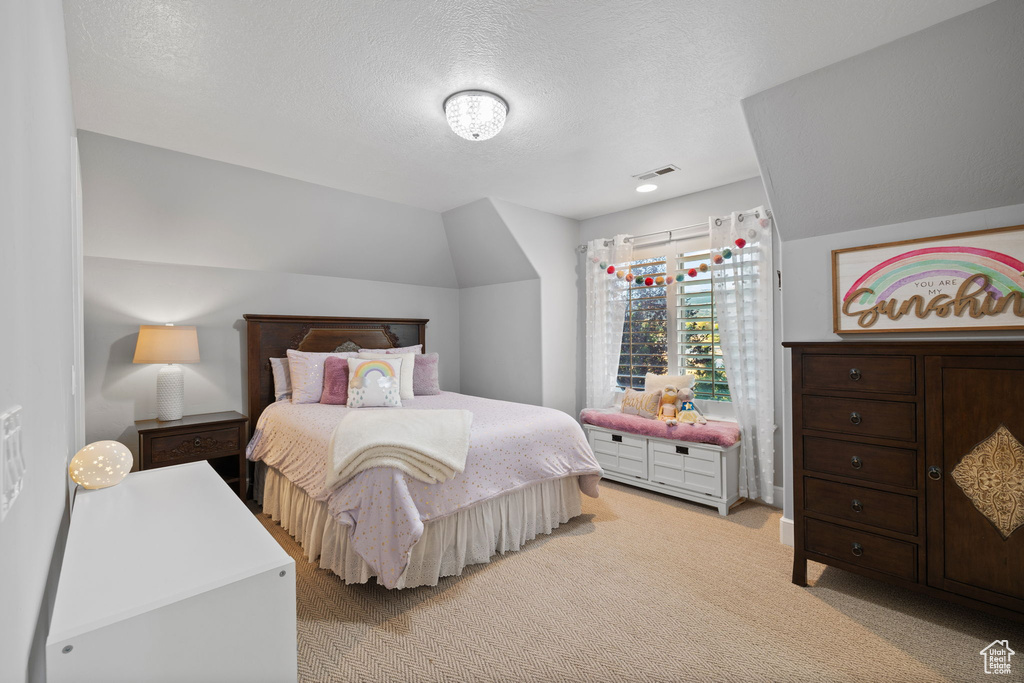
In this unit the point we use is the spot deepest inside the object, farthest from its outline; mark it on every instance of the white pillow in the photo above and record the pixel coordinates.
(307, 372)
(408, 364)
(654, 382)
(282, 379)
(374, 382)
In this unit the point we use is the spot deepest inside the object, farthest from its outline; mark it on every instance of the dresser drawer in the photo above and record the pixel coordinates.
(880, 464)
(880, 374)
(166, 450)
(863, 417)
(686, 467)
(861, 548)
(891, 511)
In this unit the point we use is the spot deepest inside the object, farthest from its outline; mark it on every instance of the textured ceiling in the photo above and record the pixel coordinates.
(349, 94)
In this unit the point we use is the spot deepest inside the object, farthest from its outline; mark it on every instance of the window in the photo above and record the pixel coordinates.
(699, 352)
(645, 340)
(672, 329)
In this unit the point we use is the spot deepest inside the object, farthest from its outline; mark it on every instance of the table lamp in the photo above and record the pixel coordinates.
(170, 344)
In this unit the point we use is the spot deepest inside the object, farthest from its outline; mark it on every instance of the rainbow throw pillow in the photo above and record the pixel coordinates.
(374, 383)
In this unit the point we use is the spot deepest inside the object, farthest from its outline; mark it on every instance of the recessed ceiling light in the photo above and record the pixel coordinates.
(649, 187)
(475, 114)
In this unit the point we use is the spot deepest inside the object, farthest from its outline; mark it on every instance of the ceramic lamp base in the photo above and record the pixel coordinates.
(170, 393)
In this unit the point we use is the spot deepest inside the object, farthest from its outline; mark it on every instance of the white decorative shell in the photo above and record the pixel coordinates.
(100, 464)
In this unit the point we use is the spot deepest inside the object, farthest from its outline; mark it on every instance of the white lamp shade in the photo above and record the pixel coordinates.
(100, 464)
(167, 344)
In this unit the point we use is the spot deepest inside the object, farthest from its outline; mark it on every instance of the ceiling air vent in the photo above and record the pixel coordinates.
(657, 172)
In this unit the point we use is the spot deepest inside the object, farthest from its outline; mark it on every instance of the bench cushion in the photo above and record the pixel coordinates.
(717, 432)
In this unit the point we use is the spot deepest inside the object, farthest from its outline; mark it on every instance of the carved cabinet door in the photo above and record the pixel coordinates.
(974, 478)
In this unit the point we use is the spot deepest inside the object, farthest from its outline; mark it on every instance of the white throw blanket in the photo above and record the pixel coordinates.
(430, 445)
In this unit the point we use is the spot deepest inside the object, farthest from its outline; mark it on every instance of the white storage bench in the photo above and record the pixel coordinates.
(698, 472)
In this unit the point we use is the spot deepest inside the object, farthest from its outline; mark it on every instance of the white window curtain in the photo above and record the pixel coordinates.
(743, 301)
(606, 313)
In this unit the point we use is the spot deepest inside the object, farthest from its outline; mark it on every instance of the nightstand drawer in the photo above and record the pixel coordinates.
(860, 548)
(880, 374)
(212, 443)
(885, 419)
(891, 511)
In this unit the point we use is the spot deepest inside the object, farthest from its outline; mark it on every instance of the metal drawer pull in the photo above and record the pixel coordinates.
(934, 473)
(854, 374)
(198, 442)
(856, 463)
(856, 505)
(683, 450)
(857, 549)
(855, 418)
(617, 438)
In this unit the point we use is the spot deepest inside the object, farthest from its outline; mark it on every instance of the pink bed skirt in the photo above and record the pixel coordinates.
(715, 432)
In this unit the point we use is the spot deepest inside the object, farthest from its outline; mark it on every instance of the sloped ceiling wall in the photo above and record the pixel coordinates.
(152, 204)
(929, 125)
(483, 249)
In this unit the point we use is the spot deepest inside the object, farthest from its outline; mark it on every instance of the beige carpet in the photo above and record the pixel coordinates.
(641, 587)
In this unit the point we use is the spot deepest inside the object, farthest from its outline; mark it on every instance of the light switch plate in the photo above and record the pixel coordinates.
(12, 463)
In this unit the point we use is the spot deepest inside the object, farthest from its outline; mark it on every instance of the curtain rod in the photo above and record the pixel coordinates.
(668, 237)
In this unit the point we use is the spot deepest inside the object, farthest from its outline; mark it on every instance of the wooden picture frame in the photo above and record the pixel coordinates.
(967, 281)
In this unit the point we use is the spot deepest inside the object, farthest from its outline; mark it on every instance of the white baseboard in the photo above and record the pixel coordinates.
(786, 532)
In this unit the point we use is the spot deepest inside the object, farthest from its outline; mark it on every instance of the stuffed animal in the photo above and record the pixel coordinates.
(670, 403)
(690, 414)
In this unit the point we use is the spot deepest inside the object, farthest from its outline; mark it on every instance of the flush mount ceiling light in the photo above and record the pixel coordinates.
(649, 187)
(475, 114)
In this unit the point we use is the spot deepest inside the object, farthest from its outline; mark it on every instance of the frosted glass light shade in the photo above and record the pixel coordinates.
(167, 344)
(100, 464)
(475, 114)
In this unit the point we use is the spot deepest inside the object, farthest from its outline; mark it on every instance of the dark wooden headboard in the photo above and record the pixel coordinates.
(269, 336)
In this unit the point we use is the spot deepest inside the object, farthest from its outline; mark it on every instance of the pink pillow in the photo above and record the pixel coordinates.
(335, 381)
(424, 375)
(405, 349)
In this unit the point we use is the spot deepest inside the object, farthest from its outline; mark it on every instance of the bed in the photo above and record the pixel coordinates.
(525, 472)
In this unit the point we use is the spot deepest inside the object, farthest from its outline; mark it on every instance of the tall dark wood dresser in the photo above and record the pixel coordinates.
(908, 466)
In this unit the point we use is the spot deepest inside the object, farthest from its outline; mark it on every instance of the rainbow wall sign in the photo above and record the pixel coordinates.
(965, 281)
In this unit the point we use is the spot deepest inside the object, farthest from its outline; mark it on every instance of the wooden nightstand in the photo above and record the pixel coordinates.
(219, 438)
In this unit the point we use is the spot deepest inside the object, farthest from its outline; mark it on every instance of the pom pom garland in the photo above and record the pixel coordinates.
(740, 243)
(610, 269)
(660, 280)
(603, 265)
(727, 253)
(649, 281)
(718, 259)
(620, 274)
(692, 272)
(679, 277)
(703, 267)
(629, 277)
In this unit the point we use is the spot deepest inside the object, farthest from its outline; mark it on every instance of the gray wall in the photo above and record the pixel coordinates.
(500, 346)
(926, 126)
(807, 292)
(120, 295)
(171, 237)
(144, 203)
(549, 242)
(37, 276)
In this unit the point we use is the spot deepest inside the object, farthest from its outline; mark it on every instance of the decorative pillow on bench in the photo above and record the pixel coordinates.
(642, 403)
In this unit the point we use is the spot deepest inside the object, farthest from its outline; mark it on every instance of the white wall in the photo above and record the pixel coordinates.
(926, 126)
(37, 195)
(144, 203)
(549, 242)
(500, 345)
(807, 291)
(120, 295)
(688, 209)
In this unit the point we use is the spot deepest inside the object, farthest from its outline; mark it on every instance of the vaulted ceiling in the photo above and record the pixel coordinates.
(349, 94)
